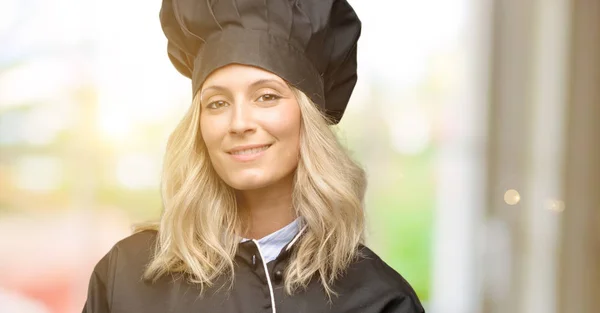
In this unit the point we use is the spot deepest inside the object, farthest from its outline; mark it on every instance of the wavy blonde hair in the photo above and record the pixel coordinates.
(198, 232)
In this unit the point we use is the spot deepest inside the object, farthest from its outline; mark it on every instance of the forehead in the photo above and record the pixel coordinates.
(238, 75)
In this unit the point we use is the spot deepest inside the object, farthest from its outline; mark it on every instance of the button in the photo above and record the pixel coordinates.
(278, 276)
(254, 261)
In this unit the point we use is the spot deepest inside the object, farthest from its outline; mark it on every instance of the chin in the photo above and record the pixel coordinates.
(247, 184)
(248, 181)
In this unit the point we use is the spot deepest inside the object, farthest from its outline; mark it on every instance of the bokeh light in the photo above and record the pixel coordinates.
(512, 197)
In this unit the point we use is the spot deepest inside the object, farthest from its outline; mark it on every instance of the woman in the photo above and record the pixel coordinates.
(263, 208)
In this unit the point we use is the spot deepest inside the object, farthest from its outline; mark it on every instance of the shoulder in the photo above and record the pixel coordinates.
(136, 246)
(133, 251)
(370, 272)
(375, 266)
(125, 262)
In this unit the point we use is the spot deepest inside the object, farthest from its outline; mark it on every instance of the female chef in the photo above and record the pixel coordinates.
(263, 207)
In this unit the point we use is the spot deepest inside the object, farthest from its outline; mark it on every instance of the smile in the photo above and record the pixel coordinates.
(247, 155)
(250, 151)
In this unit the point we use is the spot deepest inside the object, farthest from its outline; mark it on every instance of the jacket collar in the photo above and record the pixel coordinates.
(248, 250)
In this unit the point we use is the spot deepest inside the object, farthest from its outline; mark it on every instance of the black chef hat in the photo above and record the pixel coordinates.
(309, 43)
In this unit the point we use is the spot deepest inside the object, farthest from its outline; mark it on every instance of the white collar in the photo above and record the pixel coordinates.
(272, 244)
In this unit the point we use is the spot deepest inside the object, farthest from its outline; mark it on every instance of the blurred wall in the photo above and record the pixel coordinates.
(541, 252)
(579, 272)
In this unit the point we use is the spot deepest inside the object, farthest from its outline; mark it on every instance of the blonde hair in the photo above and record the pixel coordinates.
(198, 232)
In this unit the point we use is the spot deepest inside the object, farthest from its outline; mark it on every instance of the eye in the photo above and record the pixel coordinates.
(216, 104)
(268, 97)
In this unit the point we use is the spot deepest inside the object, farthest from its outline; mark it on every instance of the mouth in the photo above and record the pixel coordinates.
(248, 153)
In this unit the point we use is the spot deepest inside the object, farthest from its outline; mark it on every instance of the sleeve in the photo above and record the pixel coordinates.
(100, 285)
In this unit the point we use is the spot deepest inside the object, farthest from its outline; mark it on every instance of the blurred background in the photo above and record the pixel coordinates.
(478, 122)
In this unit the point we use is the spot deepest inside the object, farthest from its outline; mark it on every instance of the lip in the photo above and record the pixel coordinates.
(239, 148)
(248, 157)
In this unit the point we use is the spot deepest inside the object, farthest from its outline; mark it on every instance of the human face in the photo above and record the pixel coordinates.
(250, 124)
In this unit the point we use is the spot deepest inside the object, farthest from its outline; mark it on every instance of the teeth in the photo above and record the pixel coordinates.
(250, 151)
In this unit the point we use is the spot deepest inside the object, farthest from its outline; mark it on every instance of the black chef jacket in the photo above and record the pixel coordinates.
(116, 286)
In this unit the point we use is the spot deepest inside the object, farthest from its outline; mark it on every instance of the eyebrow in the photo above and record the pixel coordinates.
(253, 85)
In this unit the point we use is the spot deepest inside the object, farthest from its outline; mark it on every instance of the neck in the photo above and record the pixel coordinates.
(267, 209)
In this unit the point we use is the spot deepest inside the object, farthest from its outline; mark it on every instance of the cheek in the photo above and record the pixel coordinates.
(284, 125)
(209, 134)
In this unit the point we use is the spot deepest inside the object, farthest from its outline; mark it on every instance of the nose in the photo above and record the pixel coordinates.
(241, 119)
